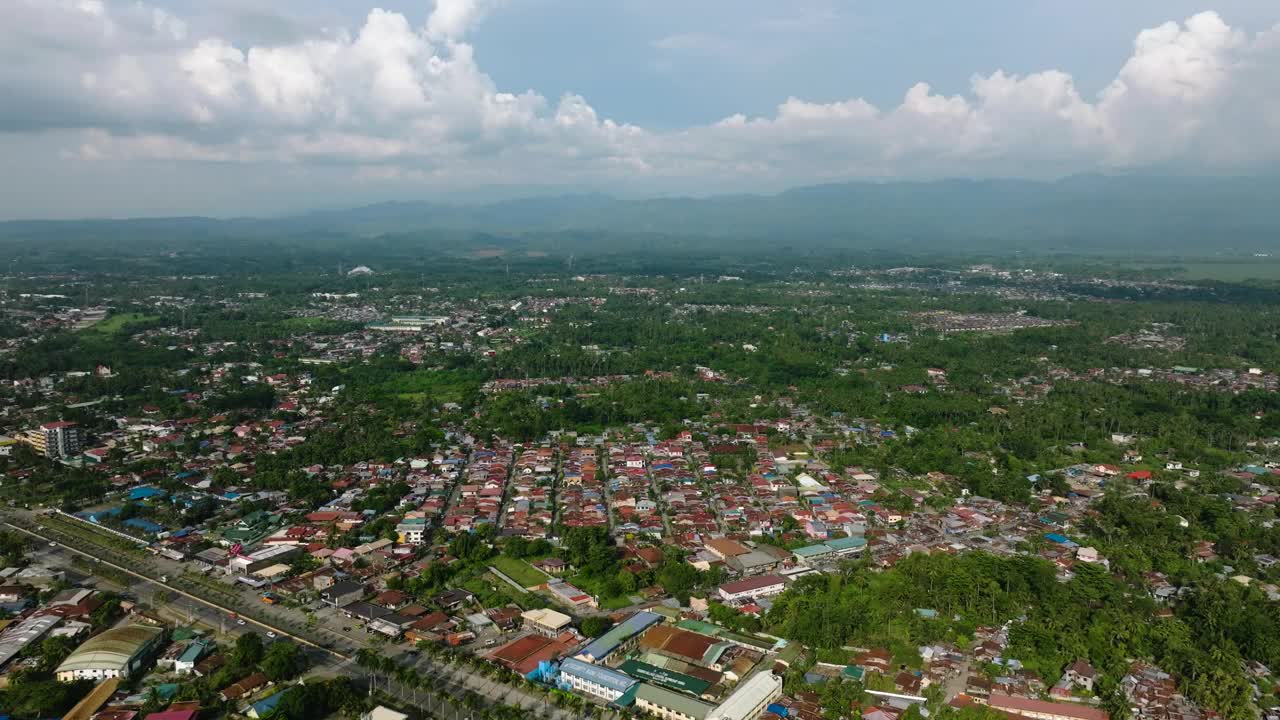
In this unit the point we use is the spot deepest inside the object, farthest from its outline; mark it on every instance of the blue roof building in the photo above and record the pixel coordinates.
(596, 680)
(263, 707)
(620, 637)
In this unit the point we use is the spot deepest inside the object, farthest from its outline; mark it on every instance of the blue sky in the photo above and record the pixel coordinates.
(233, 106)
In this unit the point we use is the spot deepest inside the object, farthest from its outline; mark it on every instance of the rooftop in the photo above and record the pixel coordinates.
(111, 649)
(671, 700)
(598, 674)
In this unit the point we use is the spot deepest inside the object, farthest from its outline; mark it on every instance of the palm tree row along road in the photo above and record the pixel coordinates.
(444, 687)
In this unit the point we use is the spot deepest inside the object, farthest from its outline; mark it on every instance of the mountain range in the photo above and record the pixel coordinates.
(1083, 213)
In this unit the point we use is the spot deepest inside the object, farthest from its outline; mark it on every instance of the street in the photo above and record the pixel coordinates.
(331, 648)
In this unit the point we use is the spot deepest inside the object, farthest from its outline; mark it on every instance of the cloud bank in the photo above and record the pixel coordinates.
(393, 101)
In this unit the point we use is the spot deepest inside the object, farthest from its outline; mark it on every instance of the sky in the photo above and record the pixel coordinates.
(119, 108)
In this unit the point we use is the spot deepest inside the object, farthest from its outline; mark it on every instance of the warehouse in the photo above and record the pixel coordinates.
(119, 652)
(264, 557)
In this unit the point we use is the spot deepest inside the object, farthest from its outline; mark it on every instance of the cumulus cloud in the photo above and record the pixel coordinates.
(453, 18)
(398, 102)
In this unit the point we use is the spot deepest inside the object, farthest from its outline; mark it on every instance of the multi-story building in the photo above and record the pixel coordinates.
(595, 680)
(545, 622)
(413, 529)
(60, 439)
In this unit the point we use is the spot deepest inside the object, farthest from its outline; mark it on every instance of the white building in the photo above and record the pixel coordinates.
(119, 652)
(546, 622)
(749, 700)
(261, 558)
(595, 680)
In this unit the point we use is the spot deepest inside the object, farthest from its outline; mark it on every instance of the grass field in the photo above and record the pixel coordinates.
(115, 323)
(520, 571)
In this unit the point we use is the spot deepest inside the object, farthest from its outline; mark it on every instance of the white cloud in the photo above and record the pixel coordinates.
(396, 102)
(453, 18)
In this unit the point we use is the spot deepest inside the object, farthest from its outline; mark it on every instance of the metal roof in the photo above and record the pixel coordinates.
(672, 700)
(597, 674)
(18, 636)
(620, 633)
(111, 650)
(748, 697)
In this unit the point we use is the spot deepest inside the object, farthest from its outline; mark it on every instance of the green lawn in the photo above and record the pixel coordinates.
(520, 571)
(115, 323)
(615, 603)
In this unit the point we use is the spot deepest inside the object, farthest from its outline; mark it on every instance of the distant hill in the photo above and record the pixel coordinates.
(1085, 213)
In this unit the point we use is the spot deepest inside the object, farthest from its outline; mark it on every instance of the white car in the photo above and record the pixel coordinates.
(240, 621)
(271, 634)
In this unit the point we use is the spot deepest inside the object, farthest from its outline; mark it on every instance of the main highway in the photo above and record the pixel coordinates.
(158, 582)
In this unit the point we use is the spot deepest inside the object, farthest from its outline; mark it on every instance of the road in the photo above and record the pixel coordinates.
(332, 647)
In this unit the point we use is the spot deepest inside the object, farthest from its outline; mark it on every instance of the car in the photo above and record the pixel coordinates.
(53, 544)
(240, 621)
(346, 628)
(271, 634)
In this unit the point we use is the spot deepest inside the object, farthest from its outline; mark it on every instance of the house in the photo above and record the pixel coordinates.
(392, 599)
(185, 663)
(554, 567)
(875, 660)
(244, 687)
(342, 593)
(908, 683)
(453, 599)
(880, 713)
(1078, 674)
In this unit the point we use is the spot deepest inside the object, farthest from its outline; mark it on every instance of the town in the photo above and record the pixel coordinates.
(587, 495)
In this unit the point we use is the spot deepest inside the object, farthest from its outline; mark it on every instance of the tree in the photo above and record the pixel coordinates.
(283, 661)
(248, 650)
(594, 626)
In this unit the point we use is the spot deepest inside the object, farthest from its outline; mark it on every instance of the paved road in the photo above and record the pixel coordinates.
(332, 650)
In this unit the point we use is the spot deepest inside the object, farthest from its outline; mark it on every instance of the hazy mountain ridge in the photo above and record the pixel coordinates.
(1084, 212)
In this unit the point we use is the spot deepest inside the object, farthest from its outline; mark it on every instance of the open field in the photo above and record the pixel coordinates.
(115, 323)
(520, 571)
